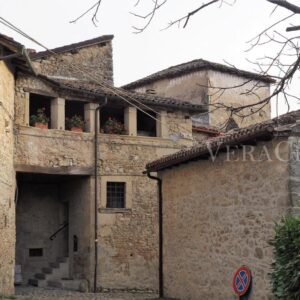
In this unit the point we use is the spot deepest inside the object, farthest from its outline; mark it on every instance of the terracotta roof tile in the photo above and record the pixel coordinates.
(232, 138)
(97, 90)
(83, 44)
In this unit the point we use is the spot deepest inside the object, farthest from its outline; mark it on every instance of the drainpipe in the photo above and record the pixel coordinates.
(96, 190)
(160, 222)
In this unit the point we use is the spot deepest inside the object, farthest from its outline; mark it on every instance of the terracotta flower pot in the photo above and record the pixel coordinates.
(76, 129)
(41, 125)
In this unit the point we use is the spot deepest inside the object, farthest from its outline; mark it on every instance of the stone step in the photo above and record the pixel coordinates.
(37, 282)
(47, 270)
(54, 265)
(33, 282)
(69, 284)
(55, 283)
(40, 276)
(62, 259)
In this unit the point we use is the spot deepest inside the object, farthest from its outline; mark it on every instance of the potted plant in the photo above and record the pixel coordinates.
(75, 123)
(113, 126)
(40, 120)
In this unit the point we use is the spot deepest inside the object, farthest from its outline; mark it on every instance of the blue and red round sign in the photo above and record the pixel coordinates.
(242, 280)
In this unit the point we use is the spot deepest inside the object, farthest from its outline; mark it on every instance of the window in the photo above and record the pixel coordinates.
(74, 114)
(146, 126)
(112, 120)
(39, 105)
(115, 194)
(34, 252)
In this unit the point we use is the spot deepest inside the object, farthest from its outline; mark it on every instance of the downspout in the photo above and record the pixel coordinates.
(97, 110)
(160, 228)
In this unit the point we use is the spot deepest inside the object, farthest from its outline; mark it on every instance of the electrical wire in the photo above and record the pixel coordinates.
(106, 86)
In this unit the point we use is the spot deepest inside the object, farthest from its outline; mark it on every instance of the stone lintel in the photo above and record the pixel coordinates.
(54, 170)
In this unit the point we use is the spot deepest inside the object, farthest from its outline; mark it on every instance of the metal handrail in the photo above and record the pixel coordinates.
(63, 226)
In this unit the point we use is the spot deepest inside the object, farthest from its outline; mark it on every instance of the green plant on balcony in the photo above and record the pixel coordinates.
(40, 119)
(75, 123)
(113, 126)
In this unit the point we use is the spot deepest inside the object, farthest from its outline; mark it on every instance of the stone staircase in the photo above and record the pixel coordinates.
(56, 275)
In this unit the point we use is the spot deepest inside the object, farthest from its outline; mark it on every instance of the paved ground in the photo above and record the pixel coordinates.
(32, 293)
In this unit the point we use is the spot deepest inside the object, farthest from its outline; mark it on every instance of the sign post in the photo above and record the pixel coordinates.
(242, 281)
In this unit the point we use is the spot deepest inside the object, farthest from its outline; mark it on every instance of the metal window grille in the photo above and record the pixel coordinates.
(115, 194)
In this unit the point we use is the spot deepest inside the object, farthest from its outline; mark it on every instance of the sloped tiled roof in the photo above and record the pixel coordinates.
(235, 137)
(98, 90)
(193, 66)
(83, 44)
(15, 48)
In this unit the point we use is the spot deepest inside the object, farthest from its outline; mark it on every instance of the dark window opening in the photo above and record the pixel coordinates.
(146, 126)
(74, 114)
(75, 243)
(38, 104)
(112, 120)
(34, 252)
(115, 192)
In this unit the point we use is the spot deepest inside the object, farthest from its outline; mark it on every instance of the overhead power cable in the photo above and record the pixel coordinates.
(106, 86)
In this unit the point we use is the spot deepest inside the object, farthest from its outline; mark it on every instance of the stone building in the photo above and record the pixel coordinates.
(203, 82)
(238, 185)
(76, 210)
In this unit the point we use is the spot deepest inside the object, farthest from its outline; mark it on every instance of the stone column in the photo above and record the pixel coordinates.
(89, 117)
(130, 119)
(58, 113)
(27, 109)
(162, 126)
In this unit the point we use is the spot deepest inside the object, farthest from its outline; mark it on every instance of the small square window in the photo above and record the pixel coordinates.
(33, 252)
(115, 193)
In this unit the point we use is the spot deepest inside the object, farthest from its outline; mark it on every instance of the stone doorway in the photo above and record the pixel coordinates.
(52, 227)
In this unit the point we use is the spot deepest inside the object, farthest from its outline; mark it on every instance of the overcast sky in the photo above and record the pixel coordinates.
(216, 34)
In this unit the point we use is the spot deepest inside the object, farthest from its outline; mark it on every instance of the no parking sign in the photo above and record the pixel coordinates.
(242, 281)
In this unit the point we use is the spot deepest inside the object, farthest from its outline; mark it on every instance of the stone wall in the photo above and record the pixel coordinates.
(79, 194)
(53, 148)
(7, 181)
(220, 215)
(95, 60)
(40, 213)
(129, 237)
(128, 241)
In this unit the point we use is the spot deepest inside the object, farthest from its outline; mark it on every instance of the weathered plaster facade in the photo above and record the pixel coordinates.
(225, 220)
(202, 87)
(7, 180)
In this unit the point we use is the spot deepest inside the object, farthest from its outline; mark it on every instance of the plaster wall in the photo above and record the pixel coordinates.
(189, 87)
(7, 180)
(236, 97)
(195, 87)
(220, 215)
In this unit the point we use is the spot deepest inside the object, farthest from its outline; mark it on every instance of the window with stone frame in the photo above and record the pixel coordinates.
(115, 194)
(146, 125)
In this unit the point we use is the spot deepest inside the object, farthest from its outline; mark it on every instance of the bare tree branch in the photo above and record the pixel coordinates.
(94, 7)
(283, 3)
(187, 17)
